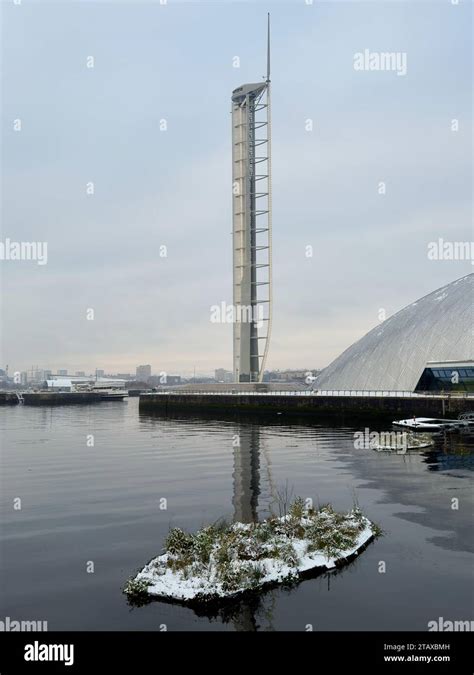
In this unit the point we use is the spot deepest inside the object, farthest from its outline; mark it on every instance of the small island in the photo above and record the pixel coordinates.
(222, 561)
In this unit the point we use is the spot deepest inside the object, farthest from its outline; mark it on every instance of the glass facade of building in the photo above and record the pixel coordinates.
(447, 378)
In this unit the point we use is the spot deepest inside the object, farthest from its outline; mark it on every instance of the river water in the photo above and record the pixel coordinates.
(100, 485)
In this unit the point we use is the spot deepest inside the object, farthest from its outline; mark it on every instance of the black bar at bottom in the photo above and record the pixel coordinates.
(140, 652)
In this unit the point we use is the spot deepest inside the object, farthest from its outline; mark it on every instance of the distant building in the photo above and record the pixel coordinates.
(295, 375)
(80, 373)
(124, 376)
(158, 380)
(305, 376)
(143, 373)
(99, 373)
(37, 376)
(47, 374)
(62, 373)
(59, 384)
(222, 375)
(24, 377)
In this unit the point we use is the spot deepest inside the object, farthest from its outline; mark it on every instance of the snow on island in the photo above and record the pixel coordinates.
(222, 561)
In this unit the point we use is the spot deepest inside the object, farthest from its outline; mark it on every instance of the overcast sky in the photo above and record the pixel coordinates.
(173, 187)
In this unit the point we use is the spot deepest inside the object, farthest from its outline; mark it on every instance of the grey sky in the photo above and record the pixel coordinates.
(152, 187)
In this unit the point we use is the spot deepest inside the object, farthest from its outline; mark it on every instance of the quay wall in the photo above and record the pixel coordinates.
(60, 398)
(331, 405)
(8, 398)
(49, 398)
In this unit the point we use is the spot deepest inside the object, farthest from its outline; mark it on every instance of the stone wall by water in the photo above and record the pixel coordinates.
(426, 406)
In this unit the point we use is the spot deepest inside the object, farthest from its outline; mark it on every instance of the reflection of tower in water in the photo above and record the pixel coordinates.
(246, 474)
(246, 479)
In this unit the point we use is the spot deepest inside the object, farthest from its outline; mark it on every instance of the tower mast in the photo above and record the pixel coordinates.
(252, 224)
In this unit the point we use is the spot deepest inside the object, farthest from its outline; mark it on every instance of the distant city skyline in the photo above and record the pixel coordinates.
(216, 373)
(116, 153)
(39, 376)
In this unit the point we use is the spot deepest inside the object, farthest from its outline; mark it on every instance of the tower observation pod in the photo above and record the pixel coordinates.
(252, 226)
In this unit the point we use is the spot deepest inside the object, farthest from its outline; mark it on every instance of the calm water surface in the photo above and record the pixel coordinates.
(101, 504)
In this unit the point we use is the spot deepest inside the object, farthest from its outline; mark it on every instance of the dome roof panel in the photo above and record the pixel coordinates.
(393, 355)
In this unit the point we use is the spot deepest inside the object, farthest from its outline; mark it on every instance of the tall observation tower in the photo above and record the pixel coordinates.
(252, 226)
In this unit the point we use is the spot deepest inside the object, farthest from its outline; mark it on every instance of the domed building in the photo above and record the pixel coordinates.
(427, 346)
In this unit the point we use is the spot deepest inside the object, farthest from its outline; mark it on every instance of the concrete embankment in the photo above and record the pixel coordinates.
(49, 398)
(315, 405)
(8, 398)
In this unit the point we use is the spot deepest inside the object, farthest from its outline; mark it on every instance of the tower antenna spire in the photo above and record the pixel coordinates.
(268, 48)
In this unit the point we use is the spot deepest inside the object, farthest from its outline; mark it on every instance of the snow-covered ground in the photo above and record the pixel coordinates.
(222, 562)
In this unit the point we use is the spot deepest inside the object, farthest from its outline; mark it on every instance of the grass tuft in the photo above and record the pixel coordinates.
(136, 589)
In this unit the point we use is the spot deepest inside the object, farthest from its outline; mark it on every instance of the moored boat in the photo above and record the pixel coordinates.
(431, 424)
(113, 394)
(107, 388)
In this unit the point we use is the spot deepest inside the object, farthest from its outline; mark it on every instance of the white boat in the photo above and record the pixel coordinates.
(112, 394)
(108, 389)
(431, 424)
